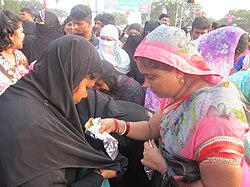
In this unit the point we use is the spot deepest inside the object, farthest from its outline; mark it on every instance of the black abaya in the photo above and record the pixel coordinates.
(40, 131)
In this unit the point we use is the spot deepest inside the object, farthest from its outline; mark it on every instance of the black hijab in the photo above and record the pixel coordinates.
(149, 27)
(40, 129)
(110, 75)
(130, 47)
(121, 86)
(98, 104)
(45, 33)
(29, 28)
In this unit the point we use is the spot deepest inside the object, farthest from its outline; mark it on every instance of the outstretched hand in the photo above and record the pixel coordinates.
(107, 125)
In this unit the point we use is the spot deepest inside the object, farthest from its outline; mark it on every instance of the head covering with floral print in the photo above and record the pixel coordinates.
(170, 45)
(218, 48)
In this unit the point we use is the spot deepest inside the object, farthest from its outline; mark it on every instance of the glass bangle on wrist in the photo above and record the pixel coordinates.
(116, 130)
(126, 128)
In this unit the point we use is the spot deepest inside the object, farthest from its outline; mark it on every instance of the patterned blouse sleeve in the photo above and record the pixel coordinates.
(5, 82)
(223, 128)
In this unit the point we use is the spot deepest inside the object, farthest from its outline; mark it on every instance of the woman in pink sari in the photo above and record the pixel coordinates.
(205, 123)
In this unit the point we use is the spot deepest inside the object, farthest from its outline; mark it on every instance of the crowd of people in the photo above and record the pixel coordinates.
(176, 100)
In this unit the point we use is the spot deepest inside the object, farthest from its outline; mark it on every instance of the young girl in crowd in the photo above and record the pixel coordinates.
(13, 63)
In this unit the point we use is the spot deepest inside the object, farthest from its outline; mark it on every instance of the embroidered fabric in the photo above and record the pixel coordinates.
(10, 73)
(204, 117)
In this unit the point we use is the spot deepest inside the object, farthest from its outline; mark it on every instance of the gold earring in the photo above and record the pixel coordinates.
(179, 76)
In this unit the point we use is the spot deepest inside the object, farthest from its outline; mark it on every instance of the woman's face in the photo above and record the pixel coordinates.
(17, 37)
(163, 83)
(81, 91)
(69, 28)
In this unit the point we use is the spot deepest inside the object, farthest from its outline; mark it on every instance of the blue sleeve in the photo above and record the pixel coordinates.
(239, 63)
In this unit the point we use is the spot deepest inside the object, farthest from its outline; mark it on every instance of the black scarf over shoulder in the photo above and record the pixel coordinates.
(40, 129)
(29, 28)
(130, 47)
(45, 34)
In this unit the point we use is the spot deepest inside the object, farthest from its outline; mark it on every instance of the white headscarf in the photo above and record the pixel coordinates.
(111, 50)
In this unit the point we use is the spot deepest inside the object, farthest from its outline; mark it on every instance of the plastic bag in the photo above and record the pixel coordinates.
(109, 142)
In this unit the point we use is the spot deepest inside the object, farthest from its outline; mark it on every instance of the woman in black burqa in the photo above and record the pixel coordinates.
(29, 29)
(41, 139)
(48, 29)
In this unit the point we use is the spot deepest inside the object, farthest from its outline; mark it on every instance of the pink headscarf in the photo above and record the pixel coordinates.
(171, 46)
(218, 48)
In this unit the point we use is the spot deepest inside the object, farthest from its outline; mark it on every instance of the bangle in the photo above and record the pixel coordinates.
(116, 130)
(125, 128)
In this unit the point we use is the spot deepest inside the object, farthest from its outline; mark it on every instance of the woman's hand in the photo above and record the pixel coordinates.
(107, 174)
(153, 158)
(107, 125)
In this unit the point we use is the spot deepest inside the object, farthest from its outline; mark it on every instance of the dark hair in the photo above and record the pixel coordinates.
(49, 18)
(163, 16)
(95, 74)
(201, 23)
(242, 45)
(136, 26)
(105, 18)
(127, 27)
(97, 18)
(81, 12)
(9, 22)
(110, 74)
(25, 9)
(185, 29)
(123, 32)
(67, 20)
(150, 26)
(153, 64)
(215, 25)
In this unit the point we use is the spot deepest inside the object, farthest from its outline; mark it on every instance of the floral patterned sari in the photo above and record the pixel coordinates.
(207, 126)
